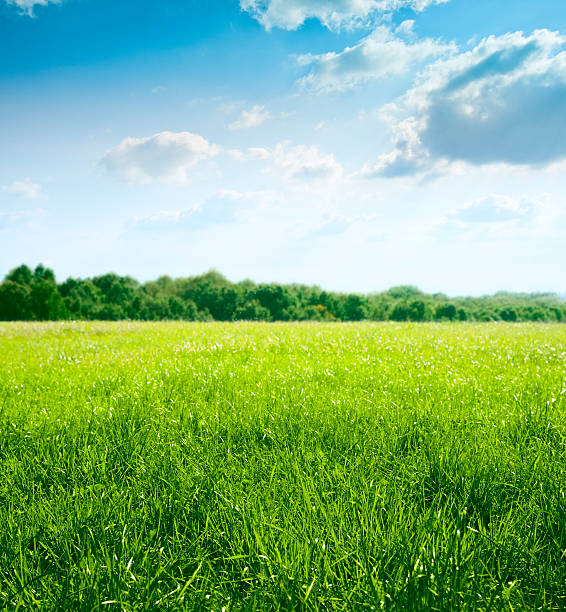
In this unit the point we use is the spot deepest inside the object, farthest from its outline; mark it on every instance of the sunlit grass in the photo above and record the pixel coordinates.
(282, 466)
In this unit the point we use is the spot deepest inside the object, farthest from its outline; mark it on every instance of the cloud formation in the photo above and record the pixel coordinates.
(305, 163)
(251, 118)
(293, 162)
(332, 225)
(334, 14)
(251, 154)
(22, 219)
(377, 56)
(500, 102)
(24, 189)
(27, 6)
(494, 209)
(496, 216)
(166, 156)
(224, 206)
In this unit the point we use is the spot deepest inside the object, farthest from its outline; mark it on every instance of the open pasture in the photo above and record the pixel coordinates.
(282, 466)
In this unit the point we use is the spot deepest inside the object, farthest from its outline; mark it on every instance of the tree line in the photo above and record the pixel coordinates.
(35, 295)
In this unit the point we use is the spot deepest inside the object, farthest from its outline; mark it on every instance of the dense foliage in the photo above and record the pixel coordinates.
(35, 295)
(310, 466)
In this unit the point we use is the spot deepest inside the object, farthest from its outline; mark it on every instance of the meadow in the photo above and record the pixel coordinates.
(293, 466)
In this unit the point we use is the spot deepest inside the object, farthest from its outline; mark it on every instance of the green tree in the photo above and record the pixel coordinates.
(404, 292)
(400, 312)
(21, 275)
(445, 311)
(508, 314)
(417, 310)
(355, 308)
(252, 311)
(41, 273)
(118, 291)
(15, 301)
(277, 299)
(46, 302)
(212, 292)
(80, 298)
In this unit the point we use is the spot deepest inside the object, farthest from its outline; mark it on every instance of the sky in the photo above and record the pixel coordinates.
(352, 144)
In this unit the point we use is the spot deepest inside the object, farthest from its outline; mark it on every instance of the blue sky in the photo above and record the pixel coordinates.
(356, 144)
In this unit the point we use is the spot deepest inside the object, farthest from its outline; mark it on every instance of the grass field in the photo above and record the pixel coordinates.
(282, 466)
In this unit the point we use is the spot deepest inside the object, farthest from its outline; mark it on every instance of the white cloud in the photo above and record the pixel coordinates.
(407, 158)
(377, 56)
(494, 209)
(291, 14)
(329, 225)
(305, 163)
(27, 6)
(298, 162)
(251, 154)
(162, 219)
(496, 217)
(406, 27)
(500, 102)
(166, 156)
(24, 189)
(251, 118)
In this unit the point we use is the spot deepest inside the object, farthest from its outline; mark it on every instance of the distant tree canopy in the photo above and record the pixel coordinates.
(34, 295)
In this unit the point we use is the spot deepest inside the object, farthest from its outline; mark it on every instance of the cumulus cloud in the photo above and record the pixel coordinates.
(24, 189)
(407, 158)
(251, 118)
(27, 6)
(166, 156)
(224, 206)
(377, 56)
(500, 102)
(334, 14)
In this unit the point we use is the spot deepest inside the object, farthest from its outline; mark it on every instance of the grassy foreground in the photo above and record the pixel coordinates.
(282, 466)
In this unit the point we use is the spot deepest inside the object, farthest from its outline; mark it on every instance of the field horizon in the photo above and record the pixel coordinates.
(27, 294)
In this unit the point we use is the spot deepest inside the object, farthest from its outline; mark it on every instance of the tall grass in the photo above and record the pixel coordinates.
(282, 466)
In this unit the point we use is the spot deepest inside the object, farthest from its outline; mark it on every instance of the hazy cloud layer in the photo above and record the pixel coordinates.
(494, 209)
(293, 162)
(377, 56)
(500, 102)
(23, 189)
(291, 14)
(27, 6)
(495, 216)
(251, 118)
(332, 225)
(251, 154)
(28, 219)
(224, 206)
(305, 163)
(166, 156)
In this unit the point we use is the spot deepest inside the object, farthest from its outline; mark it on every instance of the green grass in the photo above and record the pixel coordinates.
(282, 466)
